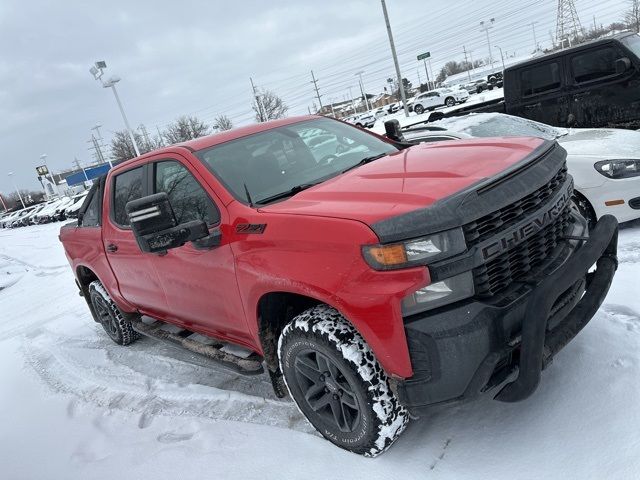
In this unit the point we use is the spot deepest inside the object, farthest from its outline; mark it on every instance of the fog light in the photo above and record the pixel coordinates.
(439, 293)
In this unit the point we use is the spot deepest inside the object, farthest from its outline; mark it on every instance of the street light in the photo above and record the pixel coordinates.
(98, 71)
(17, 191)
(485, 27)
(501, 56)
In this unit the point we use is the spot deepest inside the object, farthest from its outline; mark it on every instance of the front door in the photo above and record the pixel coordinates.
(200, 284)
(600, 96)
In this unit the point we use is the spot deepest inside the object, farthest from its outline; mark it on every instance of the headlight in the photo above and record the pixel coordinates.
(440, 293)
(617, 169)
(418, 251)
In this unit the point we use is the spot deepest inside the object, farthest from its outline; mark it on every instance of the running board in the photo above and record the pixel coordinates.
(207, 347)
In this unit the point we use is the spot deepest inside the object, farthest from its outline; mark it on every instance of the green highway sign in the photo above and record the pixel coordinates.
(422, 56)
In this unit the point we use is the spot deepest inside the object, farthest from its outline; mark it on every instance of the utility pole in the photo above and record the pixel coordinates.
(98, 151)
(315, 86)
(362, 90)
(419, 80)
(567, 22)
(80, 167)
(467, 62)
(351, 98)
(501, 57)
(17, 191)
(145, 134)
(4, 205)
(395, 58)
(159, 136)
(261, 112)
(535, 41)
(485, 27)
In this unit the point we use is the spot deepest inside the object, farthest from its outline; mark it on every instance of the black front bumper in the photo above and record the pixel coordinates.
(459, 352)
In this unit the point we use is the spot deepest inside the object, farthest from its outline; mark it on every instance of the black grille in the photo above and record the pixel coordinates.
(635, 203)
(513, 265)
(501, 219)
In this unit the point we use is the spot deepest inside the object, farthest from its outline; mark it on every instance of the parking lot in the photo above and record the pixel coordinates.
(89, 408)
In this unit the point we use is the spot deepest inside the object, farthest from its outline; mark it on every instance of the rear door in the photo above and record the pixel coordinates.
(137, 280)
(542, 93)
(601, 97)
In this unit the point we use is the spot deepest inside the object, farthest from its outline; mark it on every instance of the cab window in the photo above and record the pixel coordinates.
(91, 215)
(127, 186)
(540, 79)
(188, 199)
(594, 64)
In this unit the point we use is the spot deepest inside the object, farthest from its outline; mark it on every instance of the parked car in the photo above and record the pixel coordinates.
(604, 163)
(394, 107)
(380, 112)
(366, 120)
(594, 84)
(439, 98)
(495, 80)
(372, 287)
(477, 86)
(72, 210)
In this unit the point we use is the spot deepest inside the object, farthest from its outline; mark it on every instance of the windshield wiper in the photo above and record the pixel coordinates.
(286, 194)
(364, 161)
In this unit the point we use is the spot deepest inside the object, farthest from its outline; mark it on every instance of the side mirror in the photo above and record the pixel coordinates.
(155, 226)
(622, 65)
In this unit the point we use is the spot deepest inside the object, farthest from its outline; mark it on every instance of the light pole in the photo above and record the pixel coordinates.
(395, 58)
(535, 42)
(97, 71)
(501, 56)
(366, 100)
(17, 191)
(485, 27)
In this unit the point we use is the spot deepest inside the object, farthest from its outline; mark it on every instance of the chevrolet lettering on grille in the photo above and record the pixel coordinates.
(529, 227)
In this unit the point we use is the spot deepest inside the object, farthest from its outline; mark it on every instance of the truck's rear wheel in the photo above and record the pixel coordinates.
(338, 384)
(107, 313)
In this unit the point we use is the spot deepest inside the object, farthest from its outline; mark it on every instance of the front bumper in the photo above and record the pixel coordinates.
(459, 352)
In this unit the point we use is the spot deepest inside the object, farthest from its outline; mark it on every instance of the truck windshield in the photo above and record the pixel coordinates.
(278, 163)
(632, 42)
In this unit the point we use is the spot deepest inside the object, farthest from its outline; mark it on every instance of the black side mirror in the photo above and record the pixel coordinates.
(622, 65)
(155, 226)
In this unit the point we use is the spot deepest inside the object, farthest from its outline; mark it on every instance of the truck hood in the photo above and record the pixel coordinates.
(408, 180)
(602, 143)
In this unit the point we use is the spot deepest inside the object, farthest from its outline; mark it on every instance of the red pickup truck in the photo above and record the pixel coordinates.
(372, 279)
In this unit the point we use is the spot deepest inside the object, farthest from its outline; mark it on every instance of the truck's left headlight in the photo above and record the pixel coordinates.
(418, 251)
(617, 169)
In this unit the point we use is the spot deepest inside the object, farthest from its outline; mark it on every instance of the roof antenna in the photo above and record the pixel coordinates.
(246, 191)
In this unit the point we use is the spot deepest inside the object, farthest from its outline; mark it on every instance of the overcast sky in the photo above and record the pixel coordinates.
(196, 58)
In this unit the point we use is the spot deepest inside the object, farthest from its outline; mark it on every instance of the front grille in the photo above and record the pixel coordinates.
(501, 219)
(522, 259)
(514, 265)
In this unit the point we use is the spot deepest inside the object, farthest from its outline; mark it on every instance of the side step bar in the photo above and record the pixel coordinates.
(205, 346)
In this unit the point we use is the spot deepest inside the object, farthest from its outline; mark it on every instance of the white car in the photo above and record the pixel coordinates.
(367, 120)
(438, 98)
(604, 162)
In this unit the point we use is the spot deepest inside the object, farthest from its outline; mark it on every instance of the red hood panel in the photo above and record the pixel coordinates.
(410, 179)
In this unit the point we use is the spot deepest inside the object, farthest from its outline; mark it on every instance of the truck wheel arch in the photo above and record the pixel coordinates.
(85, 276)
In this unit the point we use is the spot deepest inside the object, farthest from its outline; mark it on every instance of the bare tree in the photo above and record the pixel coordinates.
(222, 122)
(271, 107)
(122, 146)
(632, 17)
(185, 128)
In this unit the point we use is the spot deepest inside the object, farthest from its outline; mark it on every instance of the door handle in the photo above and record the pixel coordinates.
(532, 106)
(112, 248)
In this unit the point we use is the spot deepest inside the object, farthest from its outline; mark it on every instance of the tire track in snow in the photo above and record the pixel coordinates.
(146, 383)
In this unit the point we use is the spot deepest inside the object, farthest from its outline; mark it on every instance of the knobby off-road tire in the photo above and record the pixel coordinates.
(337, 383)
(112, 319)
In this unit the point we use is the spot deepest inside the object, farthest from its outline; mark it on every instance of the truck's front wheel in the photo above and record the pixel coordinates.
(338, 384)
(107, 313)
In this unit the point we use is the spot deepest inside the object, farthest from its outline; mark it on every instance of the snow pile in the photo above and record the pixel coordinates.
(76, 406)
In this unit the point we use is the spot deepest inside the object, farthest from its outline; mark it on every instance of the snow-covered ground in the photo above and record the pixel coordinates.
(76, 406)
